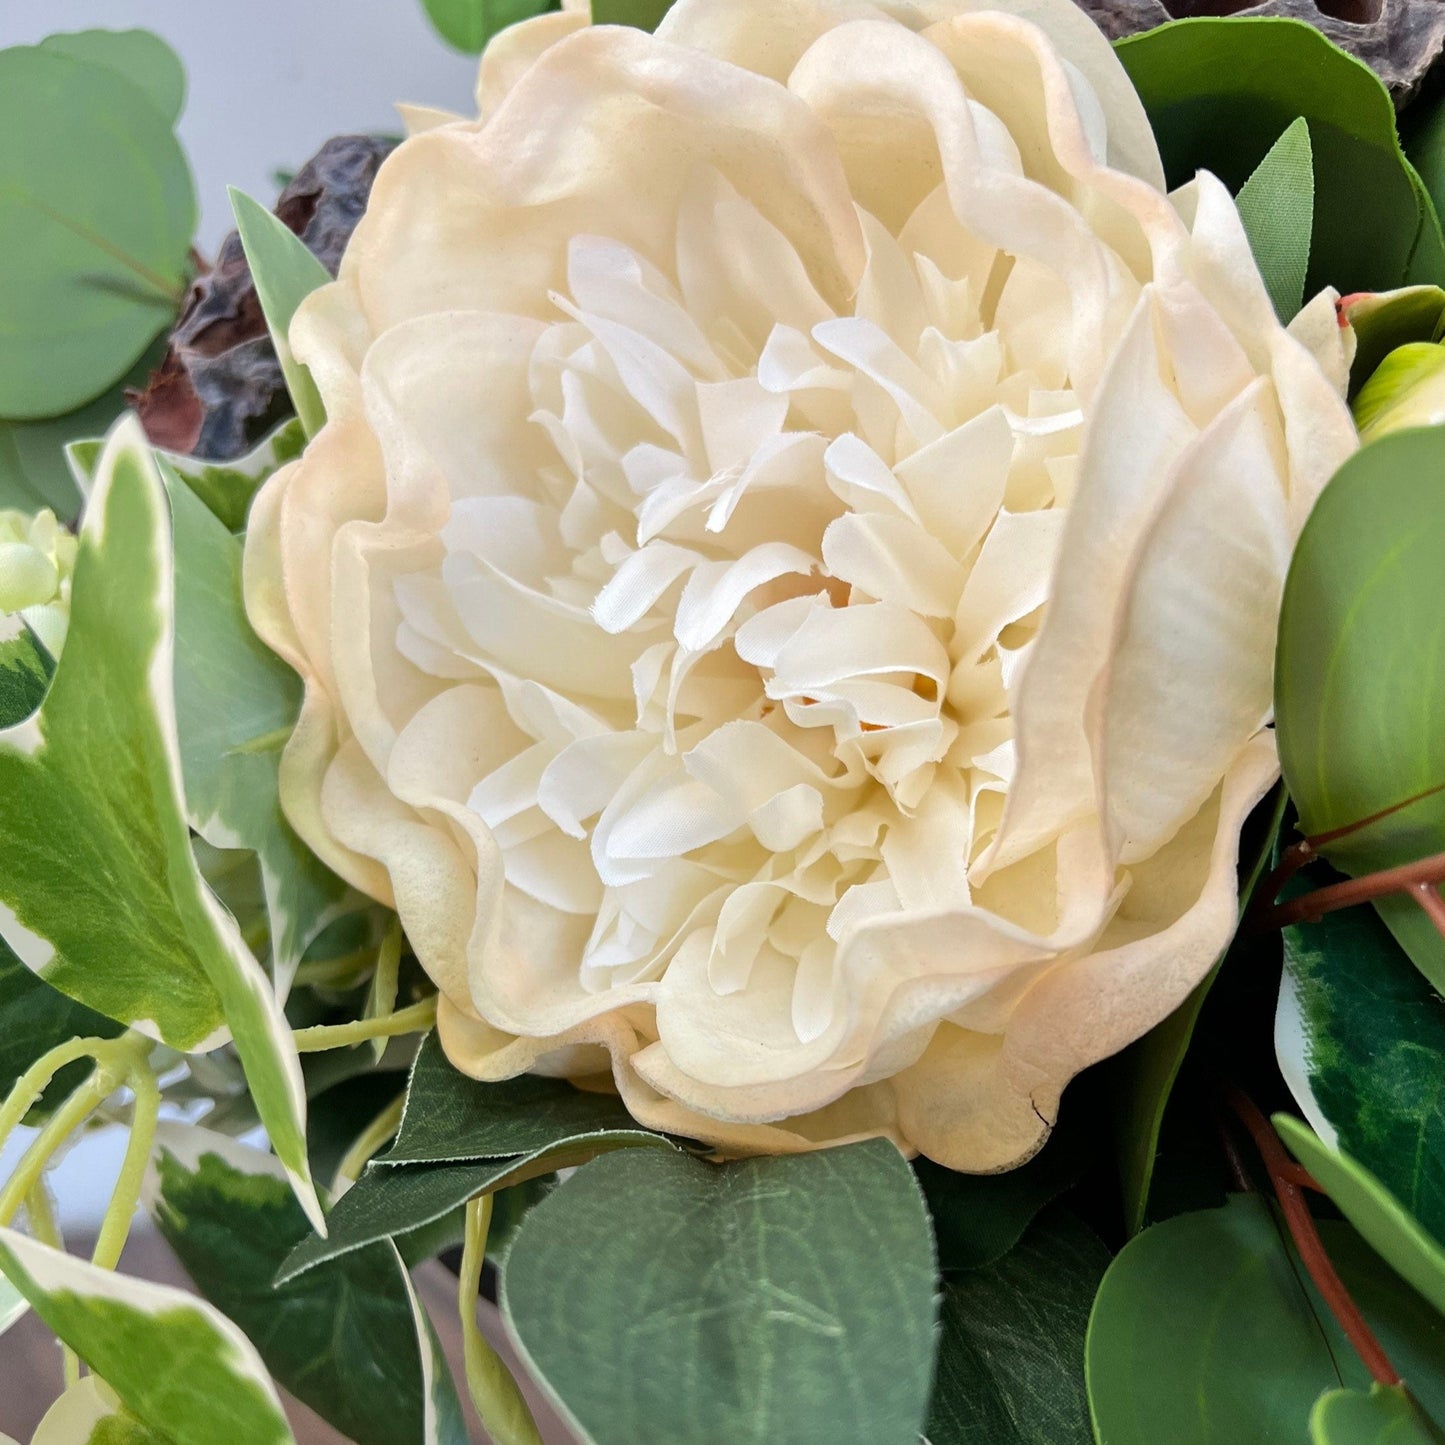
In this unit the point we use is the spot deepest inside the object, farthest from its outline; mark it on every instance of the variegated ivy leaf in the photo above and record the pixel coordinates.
(178, 1365)
(100, 893)
(225, 487)
(442, 1420)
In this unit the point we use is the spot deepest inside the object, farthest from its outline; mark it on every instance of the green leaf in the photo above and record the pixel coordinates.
(1385, 320)
(1407, 389)
(1361, 1040)
(1396, 1235)
(284, 273)
(469, 24)
(442, 1420)
(1010, 1365)
(662, 1298)
(236, 703)
(177, 1364)
(1219, 92)
(449, 1117)
(1385, 1416)
(1146, 1072)
(979, 1218)
(343, 1338)
(1360, 670)
(140, 56)
(100, 892)
(34, 469)
(89, 1413)
(1277, 206)
(25, 671)
(96, 217)
(643, 14)
(1209, 1322)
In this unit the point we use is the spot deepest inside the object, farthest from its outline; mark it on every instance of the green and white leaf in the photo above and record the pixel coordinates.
(140, 56)
(442, 1420)
(100, 893)
(175, 1362)
(1415, 1254)
(89, 1413)
(1010, 1367)
(1360, 672)
(770, 1299)
(97, 212)
(1277, 206)
(285, 273)
(343, 1338)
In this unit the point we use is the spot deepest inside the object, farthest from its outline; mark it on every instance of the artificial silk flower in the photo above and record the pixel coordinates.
(1407, 389)
(37, 556)
(787, 589)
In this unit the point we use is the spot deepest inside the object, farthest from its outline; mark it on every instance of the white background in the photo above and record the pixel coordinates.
(269, 81)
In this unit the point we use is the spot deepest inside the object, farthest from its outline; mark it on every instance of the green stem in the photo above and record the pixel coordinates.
(494, 1392)
(40, 1211)
(32, 1083)
(325, 971)
(378, 1132)
(125, 1197)
(414, 1020)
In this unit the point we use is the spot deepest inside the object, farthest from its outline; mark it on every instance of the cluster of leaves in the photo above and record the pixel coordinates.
(1133, 1283)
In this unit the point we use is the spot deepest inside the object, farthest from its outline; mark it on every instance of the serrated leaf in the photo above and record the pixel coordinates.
(236, 703)
(284, 273)
(1277, 205)
(1395, 1234)
(1361, 1041)
(140, 56)
(1360, 671)
(100, 893)
(176, 1363)
(1219, 91)
(97, 212)
(770, 1299)
(1010, 1367)
(1384, 1416)
(342, 1338)
(469, 24)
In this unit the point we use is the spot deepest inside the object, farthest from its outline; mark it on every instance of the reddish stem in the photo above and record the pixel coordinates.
(1288, 1179)
(1417, 879)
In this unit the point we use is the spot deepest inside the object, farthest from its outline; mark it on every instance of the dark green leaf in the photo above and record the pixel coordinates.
(450, 1117)
(469, 24)
(342, 1338)
(1220, 91)
(1385, 1416)
(1361, 1039)
(1010, 1365)
(663, 1299)
(1277, 206)
(25, 672)
(1360, 673)
(142, 57)
(644, 14)
(96, 217)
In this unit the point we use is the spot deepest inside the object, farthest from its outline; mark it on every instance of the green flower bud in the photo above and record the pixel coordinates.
(37, 556)
(1407, 389)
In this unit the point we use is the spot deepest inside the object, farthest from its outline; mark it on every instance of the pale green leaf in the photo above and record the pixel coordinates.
(89, 1413)
(140, 56)
(96, 217)
(284, 273)
(175, 1362)
(1277, 205)
(1384, 1416)
(661, 1298)
(1383, 320)
(470, 24)
(100, 892)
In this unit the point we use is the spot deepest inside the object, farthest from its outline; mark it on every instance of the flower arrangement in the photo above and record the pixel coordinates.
(788, 687)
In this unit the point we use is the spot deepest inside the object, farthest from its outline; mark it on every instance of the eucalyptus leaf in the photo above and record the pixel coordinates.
(1396, 1235)
(100, 893)
(97, 213)
(1010, 1367)
(1220, 91)
(284, 273)
(343, 1338)
(661, 1298)
(1277, 206)
(1384, 1416)
(1361, 1040)
(140, 56)
(469, 24)
(1360, 671)
(175, 1362)
(643, 14)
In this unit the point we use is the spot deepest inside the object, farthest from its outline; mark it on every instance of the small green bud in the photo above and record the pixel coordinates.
(37, 556)
(1407, 389)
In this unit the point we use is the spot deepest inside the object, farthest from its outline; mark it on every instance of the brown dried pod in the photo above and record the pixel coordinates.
(1399, 39)
(219, 387)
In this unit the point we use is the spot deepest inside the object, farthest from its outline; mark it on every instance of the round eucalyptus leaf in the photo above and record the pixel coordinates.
(140, 56)
(97, 211)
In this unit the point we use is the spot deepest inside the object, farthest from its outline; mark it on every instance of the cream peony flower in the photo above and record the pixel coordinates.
(787, 590)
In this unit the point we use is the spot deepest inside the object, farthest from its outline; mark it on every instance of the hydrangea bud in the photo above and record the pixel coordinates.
(37, 556)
